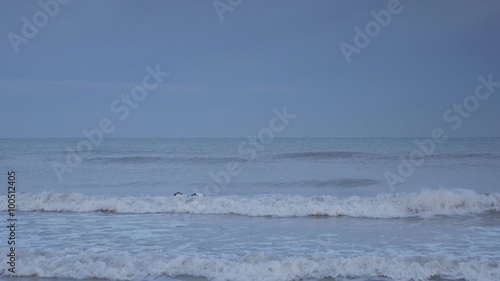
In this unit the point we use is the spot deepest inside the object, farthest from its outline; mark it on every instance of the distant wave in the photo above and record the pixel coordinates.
(465, 156)
(340, 182)
(155, 159)
(423, 204)
(317, 155)
(95, 263)
(126, 160)
(344, 182)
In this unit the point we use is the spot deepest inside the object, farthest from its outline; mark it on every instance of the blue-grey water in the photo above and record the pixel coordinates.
(289, 209)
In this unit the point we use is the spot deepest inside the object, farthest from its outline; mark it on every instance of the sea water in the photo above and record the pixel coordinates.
(288, 209)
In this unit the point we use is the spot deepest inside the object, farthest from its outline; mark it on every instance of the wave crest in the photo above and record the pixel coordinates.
(122, 265)
(423, 204)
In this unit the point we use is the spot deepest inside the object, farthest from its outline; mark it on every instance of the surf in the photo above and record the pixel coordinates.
(424, 204)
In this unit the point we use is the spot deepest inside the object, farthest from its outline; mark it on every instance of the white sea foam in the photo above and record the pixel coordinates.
(423, 204)
(97, 263)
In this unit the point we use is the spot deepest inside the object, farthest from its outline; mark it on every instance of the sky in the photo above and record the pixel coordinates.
(231, 62)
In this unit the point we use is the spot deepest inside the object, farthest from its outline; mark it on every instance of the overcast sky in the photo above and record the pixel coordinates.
(226, 76)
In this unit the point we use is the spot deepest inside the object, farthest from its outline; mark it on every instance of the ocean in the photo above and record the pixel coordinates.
(364, 209)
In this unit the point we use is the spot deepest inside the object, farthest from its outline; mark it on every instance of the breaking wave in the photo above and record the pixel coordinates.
(426, 203)
(123, 265)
